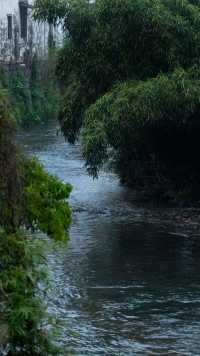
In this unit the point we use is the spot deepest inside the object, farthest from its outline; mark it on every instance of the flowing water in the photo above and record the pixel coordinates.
(128, 282)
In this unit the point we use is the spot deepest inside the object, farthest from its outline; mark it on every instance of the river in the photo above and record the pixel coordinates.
(128, 283)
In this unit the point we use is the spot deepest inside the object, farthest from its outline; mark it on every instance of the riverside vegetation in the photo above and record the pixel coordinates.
(33, 90)
(30, 200)
(130, 77)
(131, 73)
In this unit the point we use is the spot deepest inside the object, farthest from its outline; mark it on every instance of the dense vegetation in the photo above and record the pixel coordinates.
(131, 72)
(33, 90)
(153, 128)
(130, 75)
(30, 199)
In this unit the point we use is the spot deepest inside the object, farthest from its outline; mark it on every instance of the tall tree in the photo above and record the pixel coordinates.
(113, 51)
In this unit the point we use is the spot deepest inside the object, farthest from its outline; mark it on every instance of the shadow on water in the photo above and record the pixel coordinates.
(128, 283)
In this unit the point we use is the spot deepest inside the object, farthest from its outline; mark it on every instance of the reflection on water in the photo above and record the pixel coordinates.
(128, 283)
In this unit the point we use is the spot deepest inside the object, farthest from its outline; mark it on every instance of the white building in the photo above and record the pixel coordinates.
(19, 34)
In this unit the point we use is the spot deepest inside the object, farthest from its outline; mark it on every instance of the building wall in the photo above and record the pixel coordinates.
(16, 48)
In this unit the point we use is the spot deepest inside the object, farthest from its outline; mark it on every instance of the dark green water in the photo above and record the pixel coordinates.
(128, 283)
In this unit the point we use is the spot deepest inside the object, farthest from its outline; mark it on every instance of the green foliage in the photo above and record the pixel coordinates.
(21, 310)
(119, 66)
(118, 40)
(34, 94)
(44, 201)
(30, 198)
(10, 187)
(49, 10)
(148, 124)
(45, 89)
(73, 104)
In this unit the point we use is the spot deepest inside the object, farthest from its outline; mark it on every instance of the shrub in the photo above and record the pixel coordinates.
(30, 199)
(152, 127)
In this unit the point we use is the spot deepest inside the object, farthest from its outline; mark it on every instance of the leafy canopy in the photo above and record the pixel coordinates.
(137, 119)
(130, 69)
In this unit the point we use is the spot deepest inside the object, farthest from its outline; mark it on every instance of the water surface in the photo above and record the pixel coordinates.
(129, 282)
